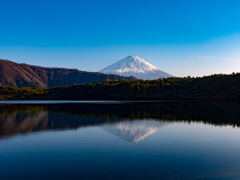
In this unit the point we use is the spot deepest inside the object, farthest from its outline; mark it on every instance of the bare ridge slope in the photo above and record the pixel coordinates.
(14, 74)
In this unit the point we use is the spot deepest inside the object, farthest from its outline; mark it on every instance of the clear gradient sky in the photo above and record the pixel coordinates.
(187, 37)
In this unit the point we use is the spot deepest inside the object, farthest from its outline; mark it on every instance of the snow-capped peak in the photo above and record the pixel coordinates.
(132, 63)
(135, 66)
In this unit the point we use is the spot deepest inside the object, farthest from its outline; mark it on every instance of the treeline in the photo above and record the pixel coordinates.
(219, 86)
(9, 92)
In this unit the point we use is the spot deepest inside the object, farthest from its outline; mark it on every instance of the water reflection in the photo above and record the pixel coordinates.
(134, 131)
(23, 123)
(23, 119)
(94, 141)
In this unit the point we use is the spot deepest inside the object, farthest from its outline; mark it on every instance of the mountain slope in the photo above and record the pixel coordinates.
(137, 67)
(14, 74)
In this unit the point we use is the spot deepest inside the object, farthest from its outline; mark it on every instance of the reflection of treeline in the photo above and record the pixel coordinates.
(209, 87)
(6, 109)
(221, 113)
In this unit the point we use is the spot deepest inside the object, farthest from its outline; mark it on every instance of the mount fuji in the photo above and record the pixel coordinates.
(137, 67)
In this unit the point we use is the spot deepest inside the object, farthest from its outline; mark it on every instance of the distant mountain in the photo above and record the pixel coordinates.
(137, 67)
(14, 74)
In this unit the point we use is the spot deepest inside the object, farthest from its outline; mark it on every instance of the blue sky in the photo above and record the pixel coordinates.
(196, 38)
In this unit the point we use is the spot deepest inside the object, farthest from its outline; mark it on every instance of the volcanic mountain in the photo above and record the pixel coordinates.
(137, 67)
(14, 74)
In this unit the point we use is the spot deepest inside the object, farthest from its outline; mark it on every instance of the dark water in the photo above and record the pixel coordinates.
(191, 140)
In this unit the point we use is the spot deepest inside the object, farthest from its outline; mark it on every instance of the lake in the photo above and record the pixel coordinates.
(119, 140)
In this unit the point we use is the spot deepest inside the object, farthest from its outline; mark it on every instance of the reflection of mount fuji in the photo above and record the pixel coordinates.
(134, 131)
(18, 119)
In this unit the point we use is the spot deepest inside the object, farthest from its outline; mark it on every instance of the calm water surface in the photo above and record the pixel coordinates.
(193, 140)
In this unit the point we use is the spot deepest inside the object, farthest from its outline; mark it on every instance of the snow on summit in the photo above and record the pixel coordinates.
(137, 67)
(131, 64)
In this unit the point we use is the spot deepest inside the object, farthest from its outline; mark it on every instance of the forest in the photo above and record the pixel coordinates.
(214, 87)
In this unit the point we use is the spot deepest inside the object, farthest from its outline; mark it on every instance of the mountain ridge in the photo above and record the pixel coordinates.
(21, 74)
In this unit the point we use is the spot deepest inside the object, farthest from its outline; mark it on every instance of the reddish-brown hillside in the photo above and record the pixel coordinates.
(14, 74)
